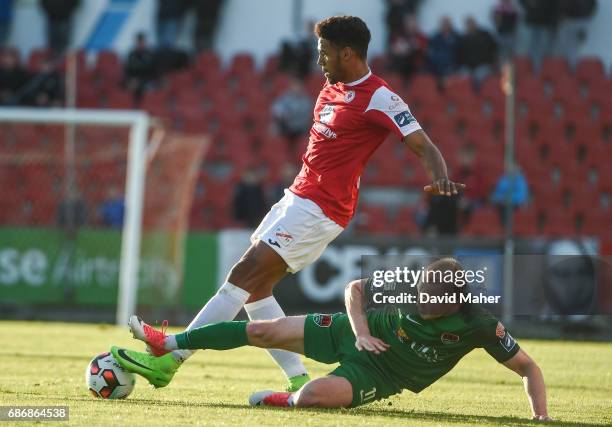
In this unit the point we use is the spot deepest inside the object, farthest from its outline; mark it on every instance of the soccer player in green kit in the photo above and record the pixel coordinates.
(380, 352)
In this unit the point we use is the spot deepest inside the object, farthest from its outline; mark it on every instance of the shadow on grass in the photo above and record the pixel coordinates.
(437, 417)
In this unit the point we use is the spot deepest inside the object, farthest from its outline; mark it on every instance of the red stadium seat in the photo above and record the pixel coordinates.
(525, 222)
(558, 224)
(242, 64)
(314, 83)
(207, 63)
(523, 66)
(37, 57)
(404, 222)
(371, 220)
(379, 64)
(590, 69)
(484, 222)
(555, 67)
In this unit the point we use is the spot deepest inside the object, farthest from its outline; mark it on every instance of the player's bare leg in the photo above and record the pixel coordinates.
(327, 392)
(250, 282)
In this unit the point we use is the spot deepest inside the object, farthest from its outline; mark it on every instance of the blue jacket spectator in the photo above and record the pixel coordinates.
(516, 184)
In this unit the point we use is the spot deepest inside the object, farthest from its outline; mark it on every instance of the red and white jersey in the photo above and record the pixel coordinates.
(350, 121)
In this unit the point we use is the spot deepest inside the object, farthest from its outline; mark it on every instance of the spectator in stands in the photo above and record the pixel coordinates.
(46, 88)
(477, 51)
(408, 48)
(397, 10)
(112, 209)
(170, 14)
(13, 78)
(476, 193)
(140, 68)
(298, 57)
(249, 199)
(514, 186)
(207, 19)
(292, 112)
(59, 14)
(442, 49)
(541, 18)
(72, 212)
(505, 18)
(6, 16)
(575, 15)
(442, 216)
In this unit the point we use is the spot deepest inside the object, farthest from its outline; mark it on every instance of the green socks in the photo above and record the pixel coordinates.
(216, 336)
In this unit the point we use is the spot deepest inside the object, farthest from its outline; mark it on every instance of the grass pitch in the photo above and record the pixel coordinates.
(44, 364)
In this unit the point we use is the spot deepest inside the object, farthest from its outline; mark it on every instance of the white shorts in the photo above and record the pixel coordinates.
(298, 230)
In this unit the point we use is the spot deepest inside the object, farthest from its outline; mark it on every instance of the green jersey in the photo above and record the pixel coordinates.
(422, 351)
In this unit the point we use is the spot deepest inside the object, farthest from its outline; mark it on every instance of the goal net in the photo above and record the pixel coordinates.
(94, 208)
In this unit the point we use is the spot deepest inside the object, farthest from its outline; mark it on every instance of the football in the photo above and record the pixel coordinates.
(106, 378)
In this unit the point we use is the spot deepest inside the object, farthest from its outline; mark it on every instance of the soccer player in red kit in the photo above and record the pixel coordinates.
(354, 114)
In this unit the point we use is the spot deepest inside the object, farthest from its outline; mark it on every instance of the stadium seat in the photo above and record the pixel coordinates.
(404, 222)
(484, 222)
(37, 57)
(555, 68)
(108, 67)
(525, 222)
(242, 64)
(523, 66)
(558, 224)
(371, 220)
(207, 63)
(379, 64)
(590, 69)
(314, 83)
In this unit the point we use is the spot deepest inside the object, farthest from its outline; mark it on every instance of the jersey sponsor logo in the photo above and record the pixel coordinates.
(395, 106)
(425, 352)
(323, 320)
(448, 338)
(349, 96)
(403, 119)
(367, 396)
(273, 243)
(284, 237)
(325, 131)
(326, 114)
(395, 98)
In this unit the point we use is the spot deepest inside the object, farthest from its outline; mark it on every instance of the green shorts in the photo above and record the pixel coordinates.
(328, 338)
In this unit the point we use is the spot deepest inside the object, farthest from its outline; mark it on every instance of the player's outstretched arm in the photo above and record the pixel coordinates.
(353, 299)
(434, 164)
(533, 380)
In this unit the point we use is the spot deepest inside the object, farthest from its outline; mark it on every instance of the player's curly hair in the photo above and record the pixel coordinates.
(345, 31)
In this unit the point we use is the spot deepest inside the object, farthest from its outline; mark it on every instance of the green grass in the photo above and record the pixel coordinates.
(44, 364)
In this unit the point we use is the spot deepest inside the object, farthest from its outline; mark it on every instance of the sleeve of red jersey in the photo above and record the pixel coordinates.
(388, 110)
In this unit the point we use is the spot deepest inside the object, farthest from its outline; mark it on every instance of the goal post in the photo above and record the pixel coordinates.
(138, 123)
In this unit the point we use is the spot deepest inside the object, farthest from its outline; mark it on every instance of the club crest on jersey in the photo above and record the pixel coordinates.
(326, 114)
(448, 338)
(403, 119)
(402, 335)
(323, 320)
(500, 331)
(284, 237)
(349, 96)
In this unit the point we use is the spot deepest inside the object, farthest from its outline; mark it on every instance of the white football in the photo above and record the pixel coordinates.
(107, 379)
